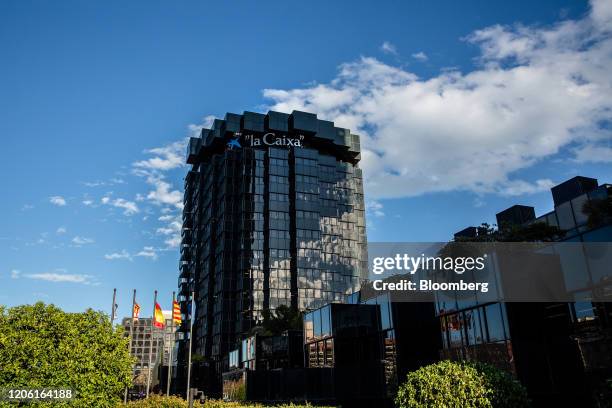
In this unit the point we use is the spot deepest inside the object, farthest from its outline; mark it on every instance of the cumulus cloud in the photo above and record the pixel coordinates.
(61, 230)
(172, 230)
(163, 193)
(125, 255)
(593, 154)
(521, 187)
(535, 93)
(375, 208)
(388, 48)
(80, 241)
(57, 200)
(59, 275)
(148, 252)
(129, 207)
(196, 129)
(420, 56)
(164, 158)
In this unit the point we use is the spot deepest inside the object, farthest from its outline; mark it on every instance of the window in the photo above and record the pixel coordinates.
(566, 218)
(496, 325)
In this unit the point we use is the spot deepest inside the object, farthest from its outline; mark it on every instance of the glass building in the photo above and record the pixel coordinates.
(273, 215)
(561, 351)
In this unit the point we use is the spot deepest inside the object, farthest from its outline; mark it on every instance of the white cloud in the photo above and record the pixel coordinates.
(174, 241)
(60, 230)
(27, 207)
(195, 130)
(118, 255)
(165, 158)
(58, 275)
(375, 208)
(129, 207)
(61, 277)
(94, 183)
(388, 48)
(57, 200)
(537, 92)
(87, 203)
(148, 252)
(172, 229)
(593, 154)
(79, 241)
(420, 56)
(163, 193)
(521, 187)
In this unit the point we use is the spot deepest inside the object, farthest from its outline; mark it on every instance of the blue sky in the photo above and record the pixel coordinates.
(96, 99)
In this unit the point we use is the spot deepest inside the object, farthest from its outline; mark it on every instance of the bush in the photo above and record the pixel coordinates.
(42, 346)
(504, 391)
(461, 384)
(156, 401)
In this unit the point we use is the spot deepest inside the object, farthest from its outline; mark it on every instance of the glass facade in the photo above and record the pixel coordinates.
(550, 347)
(274, 215)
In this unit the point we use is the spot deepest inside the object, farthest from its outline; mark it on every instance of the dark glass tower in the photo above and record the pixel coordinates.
(274, 215)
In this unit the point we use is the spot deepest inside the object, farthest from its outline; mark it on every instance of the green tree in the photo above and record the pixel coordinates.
(461, 384)
(42, 346)
(283, 318)
(598, 211)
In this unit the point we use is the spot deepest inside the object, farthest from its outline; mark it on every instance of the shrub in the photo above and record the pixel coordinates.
(156, 401)
(504, 391)
(42, 346)
(460, 384)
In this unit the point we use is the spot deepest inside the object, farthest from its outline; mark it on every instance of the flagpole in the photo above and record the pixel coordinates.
(190, 342)
(171, 347)
(113, 306)
(151, 345)
(130, 343)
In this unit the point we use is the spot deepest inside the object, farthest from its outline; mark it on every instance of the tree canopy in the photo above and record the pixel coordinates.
(283, 318)
(42, 346)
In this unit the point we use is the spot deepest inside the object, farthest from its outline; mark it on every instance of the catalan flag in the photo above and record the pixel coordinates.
(176, 312)
(136, 311)
(158, 317)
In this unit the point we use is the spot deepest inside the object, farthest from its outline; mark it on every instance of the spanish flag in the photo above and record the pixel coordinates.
(176, 312)
(158, 317)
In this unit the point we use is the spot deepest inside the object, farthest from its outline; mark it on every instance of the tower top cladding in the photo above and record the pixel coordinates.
(295, 130)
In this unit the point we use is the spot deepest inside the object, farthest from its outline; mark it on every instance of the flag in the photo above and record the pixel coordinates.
(176, 312)
(136, 311)
(158, 317)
